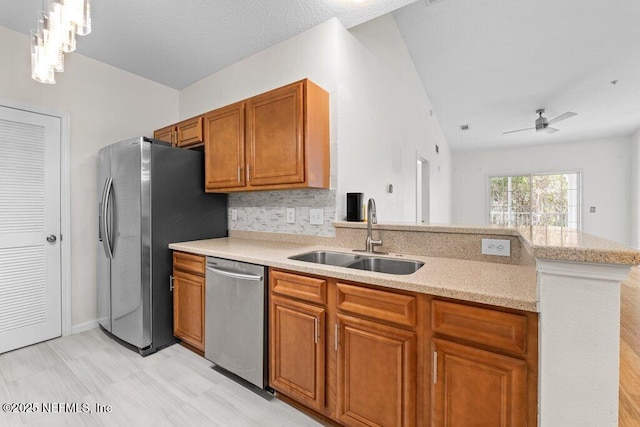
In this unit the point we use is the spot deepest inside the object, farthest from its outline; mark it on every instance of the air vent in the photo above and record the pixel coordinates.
(464, 127)
(428, 2)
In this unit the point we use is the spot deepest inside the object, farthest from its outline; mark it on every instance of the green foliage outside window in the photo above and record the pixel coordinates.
(549, 199)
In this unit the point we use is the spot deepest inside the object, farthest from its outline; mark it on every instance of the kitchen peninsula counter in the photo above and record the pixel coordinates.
(512, 286)
(494, 283)
(571, 279)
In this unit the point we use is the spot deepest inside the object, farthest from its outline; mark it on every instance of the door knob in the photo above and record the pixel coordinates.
(51, 238)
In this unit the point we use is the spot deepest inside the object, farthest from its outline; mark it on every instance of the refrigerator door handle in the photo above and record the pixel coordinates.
(104, 223)
(101, 211)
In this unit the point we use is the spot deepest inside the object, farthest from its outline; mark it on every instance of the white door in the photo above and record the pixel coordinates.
(422, 190)
(30, 282)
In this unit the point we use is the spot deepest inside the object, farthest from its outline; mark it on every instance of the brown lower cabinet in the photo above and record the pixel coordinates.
(376, 374)
(188, 298)
(297, 351)
(474, 387)
(368, 356)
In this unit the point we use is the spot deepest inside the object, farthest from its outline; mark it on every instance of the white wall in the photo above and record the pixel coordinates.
(308, 55)
(384, 120)
(379, 118)
(105, 105)
(635, 190)
(606, 172)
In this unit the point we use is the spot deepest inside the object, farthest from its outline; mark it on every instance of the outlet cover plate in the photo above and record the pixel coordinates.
(496, 247)
(316, 217)
(234, 214)
(291, 215)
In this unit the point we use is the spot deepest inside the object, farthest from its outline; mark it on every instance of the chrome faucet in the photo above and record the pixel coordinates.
(372, 218)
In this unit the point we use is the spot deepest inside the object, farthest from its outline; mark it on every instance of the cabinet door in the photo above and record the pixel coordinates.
(376, 374)
(189, 132)
(275, 141)
(166, 134)
(297, 363)
(224, 147)
(188, 308)
(473, 387)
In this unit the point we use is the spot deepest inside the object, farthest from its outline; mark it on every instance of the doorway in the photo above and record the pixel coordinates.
(32, 227)
(422, 190)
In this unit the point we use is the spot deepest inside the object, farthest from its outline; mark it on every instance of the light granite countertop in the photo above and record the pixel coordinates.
(502, 285)
(556, 243)
(542, 242)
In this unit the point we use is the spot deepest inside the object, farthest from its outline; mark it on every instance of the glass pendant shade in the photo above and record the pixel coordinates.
(40, 69)
(58, 26)
(79, 14)
(69, 41)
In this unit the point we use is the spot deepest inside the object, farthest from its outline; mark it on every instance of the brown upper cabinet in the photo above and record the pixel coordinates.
(224, 148)
(166, 134)
(186, 134)
(276, 140)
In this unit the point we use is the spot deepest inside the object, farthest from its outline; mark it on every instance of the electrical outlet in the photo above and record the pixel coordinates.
(316, 216)
(234, 214)
(291, 215)
(496, 247)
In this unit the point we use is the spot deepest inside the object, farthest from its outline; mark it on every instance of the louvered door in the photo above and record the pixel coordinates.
(30, 291)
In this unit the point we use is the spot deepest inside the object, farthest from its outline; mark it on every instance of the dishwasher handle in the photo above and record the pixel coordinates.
(234, 274)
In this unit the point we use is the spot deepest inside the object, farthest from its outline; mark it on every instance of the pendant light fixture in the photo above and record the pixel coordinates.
(59, 23)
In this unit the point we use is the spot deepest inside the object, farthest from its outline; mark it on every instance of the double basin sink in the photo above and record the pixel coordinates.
(361, 262)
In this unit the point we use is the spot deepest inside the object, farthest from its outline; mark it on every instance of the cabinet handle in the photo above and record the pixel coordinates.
(336, 328)
(315, 330)
(435, 367)
(248, 173)
(171, 283)
(239, 172)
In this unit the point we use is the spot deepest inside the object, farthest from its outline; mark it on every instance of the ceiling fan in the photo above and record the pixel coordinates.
(542, 124)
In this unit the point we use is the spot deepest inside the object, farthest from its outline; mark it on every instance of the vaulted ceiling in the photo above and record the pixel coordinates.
(488, 64)
(491, 64)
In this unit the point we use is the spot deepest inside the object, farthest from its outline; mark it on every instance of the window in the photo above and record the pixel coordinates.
(545, 199)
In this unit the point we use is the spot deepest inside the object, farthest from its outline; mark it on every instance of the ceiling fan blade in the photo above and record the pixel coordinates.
(550, 130)
(519, 130)
(562, 117)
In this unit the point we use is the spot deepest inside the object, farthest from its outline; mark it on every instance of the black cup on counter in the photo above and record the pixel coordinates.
(354, 207)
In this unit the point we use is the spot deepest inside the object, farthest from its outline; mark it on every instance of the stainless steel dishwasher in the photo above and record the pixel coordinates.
(235, 329)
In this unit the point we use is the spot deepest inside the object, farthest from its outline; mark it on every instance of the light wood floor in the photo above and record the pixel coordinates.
(173, 387)
(630, 351)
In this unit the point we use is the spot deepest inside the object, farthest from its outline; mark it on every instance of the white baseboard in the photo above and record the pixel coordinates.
(76, 329)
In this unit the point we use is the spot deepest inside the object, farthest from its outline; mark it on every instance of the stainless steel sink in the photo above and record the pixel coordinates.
(377, 264)
(387, 265)
(325, 257)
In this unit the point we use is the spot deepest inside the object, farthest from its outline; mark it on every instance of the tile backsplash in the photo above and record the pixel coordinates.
(266, 211)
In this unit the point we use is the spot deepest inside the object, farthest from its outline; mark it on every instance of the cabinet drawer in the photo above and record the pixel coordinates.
(377, 304)
(189, 262)
(297, 286)
(506, 331)
(189, 132)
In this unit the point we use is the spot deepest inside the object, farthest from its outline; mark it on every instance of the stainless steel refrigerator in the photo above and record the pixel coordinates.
(149, 195)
